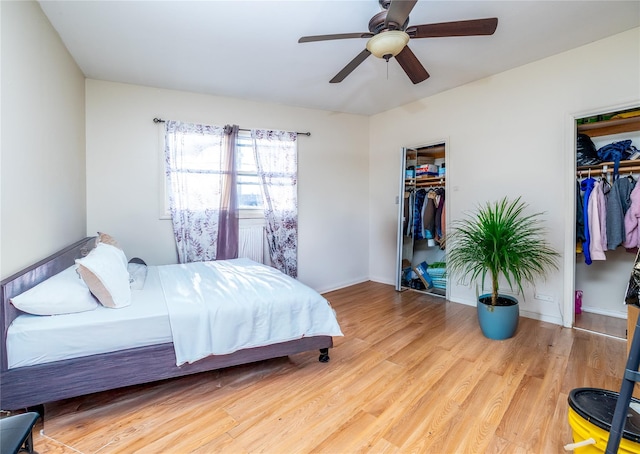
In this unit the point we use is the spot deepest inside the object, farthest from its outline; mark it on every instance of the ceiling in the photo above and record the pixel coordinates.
(249, 49)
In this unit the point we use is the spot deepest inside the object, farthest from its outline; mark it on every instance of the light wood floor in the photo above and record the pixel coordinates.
(413, 373)
(610, 326)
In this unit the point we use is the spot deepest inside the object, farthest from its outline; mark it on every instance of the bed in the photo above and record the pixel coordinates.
(28, 384)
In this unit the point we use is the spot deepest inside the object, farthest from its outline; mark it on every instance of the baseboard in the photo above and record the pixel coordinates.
(380, 280)
(342, 285)
(608, 313)
(543, 318)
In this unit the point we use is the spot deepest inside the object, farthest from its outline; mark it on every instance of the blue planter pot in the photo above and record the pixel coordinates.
(498, 322)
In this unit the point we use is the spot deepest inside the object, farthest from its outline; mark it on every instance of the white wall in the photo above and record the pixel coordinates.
(506, 135)
(123, 176)
(42, 176)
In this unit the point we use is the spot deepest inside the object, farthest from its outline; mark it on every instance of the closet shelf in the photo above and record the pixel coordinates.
(629, 166)
(425, 182)
(436, 151)
(607, 127)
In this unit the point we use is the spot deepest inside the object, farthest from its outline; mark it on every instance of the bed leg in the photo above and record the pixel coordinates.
(324, 355)
(38, 409)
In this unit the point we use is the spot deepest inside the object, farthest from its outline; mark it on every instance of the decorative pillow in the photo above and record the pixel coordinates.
(104, 271)
(63, 293)
(107, 239)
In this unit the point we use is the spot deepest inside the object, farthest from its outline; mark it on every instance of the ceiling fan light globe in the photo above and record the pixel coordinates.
(389, 43)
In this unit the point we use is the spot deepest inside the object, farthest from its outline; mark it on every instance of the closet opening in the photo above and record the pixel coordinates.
(607, 168)
(421, 254)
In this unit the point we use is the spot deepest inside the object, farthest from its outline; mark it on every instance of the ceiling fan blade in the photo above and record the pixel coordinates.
(398, 12)
(458, 28)
(353, 64)
(308, 39)
(412, 66)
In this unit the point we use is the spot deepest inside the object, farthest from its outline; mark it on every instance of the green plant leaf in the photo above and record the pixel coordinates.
(499, 238)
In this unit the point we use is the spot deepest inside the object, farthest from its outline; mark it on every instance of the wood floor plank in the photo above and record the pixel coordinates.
(517, 421)
(488, 402)
(398, 339)
(278, 404)
(611, 326)
(468, 373)
(501, 446)
(322, 411)
(559, 429)
(431, 414)
(413, 373)
(346, 437)
(223, 443)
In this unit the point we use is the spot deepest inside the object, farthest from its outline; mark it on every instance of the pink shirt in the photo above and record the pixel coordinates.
(631, 219)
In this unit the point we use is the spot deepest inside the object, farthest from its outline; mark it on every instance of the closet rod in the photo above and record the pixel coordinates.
(621, 171)
(308, 134)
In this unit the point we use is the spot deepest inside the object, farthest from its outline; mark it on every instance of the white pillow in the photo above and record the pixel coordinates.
(104, 270)
(63, 293)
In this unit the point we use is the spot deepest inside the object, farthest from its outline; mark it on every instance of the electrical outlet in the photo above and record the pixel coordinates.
(542, 297)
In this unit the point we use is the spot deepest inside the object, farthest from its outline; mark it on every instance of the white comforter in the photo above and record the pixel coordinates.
(219, 307)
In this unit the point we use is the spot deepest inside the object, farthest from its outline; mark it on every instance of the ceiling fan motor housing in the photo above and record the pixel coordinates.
(377, 23)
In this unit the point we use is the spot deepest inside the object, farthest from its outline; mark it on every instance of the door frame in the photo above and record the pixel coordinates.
(568, 314)
(399, 239)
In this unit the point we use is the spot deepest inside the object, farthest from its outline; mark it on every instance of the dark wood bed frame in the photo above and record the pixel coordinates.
(33, 386)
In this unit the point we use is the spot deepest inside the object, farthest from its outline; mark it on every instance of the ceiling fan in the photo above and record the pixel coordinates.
(389, 33)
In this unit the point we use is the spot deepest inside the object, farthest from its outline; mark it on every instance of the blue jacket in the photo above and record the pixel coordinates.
(586, 186)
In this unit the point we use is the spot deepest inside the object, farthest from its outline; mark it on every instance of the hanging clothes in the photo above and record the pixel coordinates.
(440, 193)
(443, 238)
(408, 213)
(618, 202)
(632, 221)
(579, 218)
(603, 189)
(596, 248)
(586, 187)
(417, 214)
(429, 219)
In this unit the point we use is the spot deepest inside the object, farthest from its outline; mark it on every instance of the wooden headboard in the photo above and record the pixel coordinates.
(32, 276)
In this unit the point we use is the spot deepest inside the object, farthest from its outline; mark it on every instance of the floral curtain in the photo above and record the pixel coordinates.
(199, 176)
(276, 155)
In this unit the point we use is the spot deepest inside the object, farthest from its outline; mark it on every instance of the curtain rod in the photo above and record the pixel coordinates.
(308, 134)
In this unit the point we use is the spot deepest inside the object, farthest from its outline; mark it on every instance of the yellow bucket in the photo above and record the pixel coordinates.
(590, 415)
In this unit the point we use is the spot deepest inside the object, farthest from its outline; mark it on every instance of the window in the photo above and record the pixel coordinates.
(250, 203)
(206, 195)
(249, 189)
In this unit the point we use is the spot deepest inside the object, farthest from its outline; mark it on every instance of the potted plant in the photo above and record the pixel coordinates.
(499, 238)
